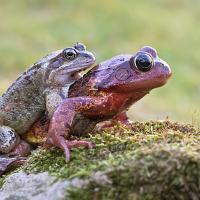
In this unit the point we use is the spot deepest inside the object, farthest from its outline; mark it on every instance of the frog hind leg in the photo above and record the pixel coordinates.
(23, 149)
(7, 163)
(13, 149)
(9, 139)
(10, 143)
(15, 158)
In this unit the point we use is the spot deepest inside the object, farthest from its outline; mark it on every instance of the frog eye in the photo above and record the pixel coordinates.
(70, 54)
(143, 62)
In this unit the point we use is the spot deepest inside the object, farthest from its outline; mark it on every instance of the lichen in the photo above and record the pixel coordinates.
(151, 160)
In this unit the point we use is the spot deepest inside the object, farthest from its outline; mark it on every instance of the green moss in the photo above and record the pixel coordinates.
(161, 161)
(142, 160)
(162, 172)
(111, 147)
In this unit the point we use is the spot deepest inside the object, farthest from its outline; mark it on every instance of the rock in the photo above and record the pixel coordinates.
(22, 186)
(152, 160)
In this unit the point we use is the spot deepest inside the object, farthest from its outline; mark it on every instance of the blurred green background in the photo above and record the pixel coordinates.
(32, 28)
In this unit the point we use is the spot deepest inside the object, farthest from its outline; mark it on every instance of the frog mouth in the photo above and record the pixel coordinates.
(79, 73)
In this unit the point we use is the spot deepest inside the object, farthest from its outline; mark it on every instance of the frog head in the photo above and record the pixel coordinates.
(140, 72)
(62, 67)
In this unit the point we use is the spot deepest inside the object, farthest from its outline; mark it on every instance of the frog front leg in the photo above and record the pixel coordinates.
(61, 122)
(119, 118)
(122, 118)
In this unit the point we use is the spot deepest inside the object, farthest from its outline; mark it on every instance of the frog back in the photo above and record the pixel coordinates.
(23, 103)
(98, 75)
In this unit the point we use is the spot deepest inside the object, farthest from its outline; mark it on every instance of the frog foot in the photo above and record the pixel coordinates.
(66, 145)
(15, 158)
(121, 118)
(8, 162)
(110, 123)
(23, 149)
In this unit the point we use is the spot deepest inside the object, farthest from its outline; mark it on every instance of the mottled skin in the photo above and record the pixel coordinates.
(104, 93)
(38, 90)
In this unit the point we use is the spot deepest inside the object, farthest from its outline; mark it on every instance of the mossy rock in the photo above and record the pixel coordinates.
(152, 160)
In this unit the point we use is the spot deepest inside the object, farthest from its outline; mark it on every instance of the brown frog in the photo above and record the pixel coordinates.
(38, 90)
(105, 92)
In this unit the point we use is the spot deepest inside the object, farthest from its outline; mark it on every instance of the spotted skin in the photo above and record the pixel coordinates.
(8, 139)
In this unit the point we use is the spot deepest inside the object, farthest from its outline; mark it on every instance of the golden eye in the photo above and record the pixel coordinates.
(70, 54)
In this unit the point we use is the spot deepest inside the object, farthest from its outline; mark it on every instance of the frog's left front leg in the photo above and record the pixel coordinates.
(119, 118)
(61, 122)
(122, 118)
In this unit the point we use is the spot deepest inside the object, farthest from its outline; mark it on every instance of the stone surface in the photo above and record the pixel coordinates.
(22, 186)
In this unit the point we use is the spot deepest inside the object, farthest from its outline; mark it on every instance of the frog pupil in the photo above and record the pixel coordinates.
(70, 54)
(143, 62)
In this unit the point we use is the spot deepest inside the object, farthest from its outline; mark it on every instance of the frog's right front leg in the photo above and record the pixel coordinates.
(61, 122)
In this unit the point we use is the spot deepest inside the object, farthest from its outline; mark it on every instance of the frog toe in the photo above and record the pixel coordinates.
(8, 163)
(75, 144)
(79, 143)
(60, 143)
(66, 145)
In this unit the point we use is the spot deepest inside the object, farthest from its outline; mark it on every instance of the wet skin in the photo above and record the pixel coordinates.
(104, 93)
(38, 90)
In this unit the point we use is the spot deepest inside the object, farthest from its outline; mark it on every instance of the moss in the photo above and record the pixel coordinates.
(143, 160)
(162, 172)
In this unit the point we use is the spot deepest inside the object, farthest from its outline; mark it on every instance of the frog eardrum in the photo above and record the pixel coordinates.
(143, 61)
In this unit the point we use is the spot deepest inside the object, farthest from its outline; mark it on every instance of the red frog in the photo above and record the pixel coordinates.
(103, 93)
